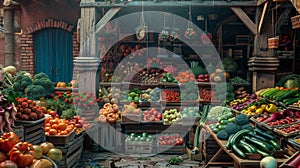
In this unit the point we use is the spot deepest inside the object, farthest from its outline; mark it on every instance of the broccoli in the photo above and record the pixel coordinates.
(223, 135)
(40, 75)
(35, 92)
(46, 83)
(247, 126)
(232, 128)
(241, 119)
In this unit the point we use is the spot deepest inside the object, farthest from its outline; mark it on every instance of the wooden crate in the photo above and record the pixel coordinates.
(104, 137)
(33, 131)
(192, 156)
(131, 119)
(89, 114)
(71, 152)
(61, 139)
(19, 130)
(176, 150)
(135, 147)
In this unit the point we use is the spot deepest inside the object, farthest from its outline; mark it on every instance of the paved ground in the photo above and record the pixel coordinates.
(91, 159)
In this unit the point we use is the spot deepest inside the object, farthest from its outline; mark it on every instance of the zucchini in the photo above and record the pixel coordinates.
(264, 134)
(292, 100)
(263, 153)
(221, 127)
(258, 144)
(269, 146)
(224, 122)
(233, 139)
(289, 93)
(269, 96)
(275, 144)
(252, 134)
(265, 91)
(253, 149)
(238, 151)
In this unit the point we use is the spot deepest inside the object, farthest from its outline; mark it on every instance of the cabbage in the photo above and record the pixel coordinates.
(291, 83)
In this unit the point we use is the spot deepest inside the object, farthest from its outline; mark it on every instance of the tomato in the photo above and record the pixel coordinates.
(55, 154)
(38, 151)
(8, 164)
(22, 154)
(8, 140)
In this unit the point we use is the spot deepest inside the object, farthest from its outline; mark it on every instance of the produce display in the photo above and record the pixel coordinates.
(144, 137)
(279, 118)
(297, 104)
(57, 126)
(170, 140)
(203, 78)
(110, 95)
(152, 115)
(239, 81)
(109, 113)
(121, 72)
(256, 141)
(239, 104)
(281, 94)
(135, 51)
(168, 78)
(189, 92)
(190, 112)
(219, 76)
(148, 76)
(241, 93)
(170, 69)
(15, 153)
(291, 81)
(170, 95)
(150, 95)
(28, 111)
(224, 91)
(208, 95)
(172, 116)
(186, 76)
(228, 64)
(132, 95)
(294, 128)
(216, 112)
(131, 109)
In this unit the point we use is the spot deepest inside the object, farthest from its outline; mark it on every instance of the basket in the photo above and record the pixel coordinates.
(61, 139)
(138, 147)
(273, 42)
(295, 22)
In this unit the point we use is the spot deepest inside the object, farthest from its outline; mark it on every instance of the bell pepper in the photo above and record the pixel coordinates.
(271, 108)
(22, 154)
(8, 140)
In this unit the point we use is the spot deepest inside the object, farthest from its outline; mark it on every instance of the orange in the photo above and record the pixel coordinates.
(62, 126)
(47, 129)
(52, 132)
(54, 126)
(63, 133)
(47, 125)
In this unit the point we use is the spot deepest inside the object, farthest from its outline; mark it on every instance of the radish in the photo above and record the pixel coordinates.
(6, 119)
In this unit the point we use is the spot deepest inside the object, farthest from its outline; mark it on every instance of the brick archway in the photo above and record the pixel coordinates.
(27, 55)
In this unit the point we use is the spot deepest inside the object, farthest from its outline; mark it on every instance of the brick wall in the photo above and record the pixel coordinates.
(27, 55)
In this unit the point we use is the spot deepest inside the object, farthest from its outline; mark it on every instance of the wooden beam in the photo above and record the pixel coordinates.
(245, 19)
(106, 18)
(283, 17)
(263, 16)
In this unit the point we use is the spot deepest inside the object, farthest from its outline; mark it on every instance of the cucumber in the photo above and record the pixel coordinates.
(264, 134)
(269, 95)
(253, 149)
(267, 92)
(237, 151)
(275, 144)
(224, 122)
(245, 148)
(258, 144)
(278, 94)
(221, 127)
(252, 134)
(236, 137)
(269, 146)
(264, 92)
(292, 100)
(263, 153)
(289, 93)
(228, 144)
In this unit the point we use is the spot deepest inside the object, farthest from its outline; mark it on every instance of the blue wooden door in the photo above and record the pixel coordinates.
(54, 54)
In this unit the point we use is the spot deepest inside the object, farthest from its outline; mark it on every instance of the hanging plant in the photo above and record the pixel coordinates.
(190, 33)
(164, 34)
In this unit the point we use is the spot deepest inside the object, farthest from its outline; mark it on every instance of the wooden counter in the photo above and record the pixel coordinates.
(238, 162)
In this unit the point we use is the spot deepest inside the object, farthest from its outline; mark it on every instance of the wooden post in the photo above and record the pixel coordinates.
(263, 64)
(9, 35)
(88, 61)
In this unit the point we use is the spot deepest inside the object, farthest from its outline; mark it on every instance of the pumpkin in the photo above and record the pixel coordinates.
(55, 154)
(38, 151)
(8, 164)
(42, 163)
(61, 84)
(46, 146)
